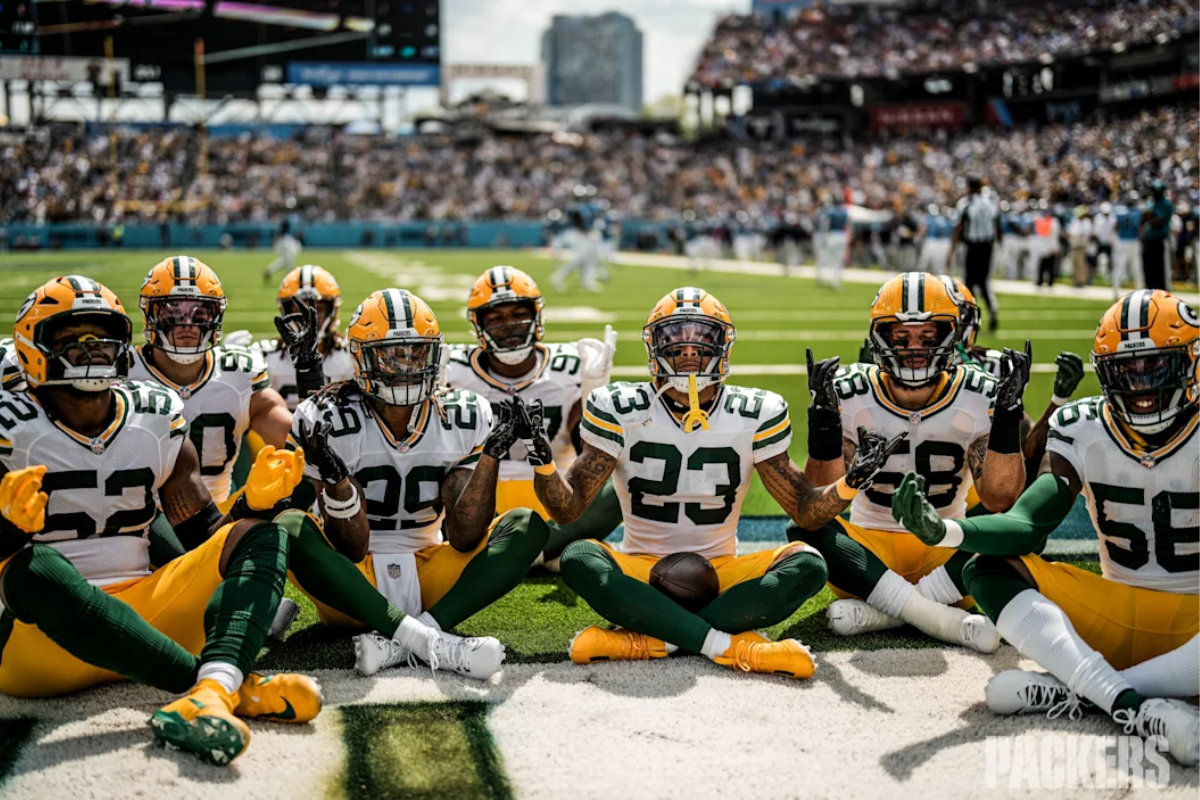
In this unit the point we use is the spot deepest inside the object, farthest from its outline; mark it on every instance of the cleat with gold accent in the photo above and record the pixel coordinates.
(202, 723)
(750, 653)
(286, 697)
(595, 644)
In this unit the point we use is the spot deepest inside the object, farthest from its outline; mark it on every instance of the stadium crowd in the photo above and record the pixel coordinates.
(851, 41)
(140, 176)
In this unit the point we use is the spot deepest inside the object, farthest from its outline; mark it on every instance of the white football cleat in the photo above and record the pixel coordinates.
(477, 657)
(373, 652)
(1017, 691)
(1174, 720)
(284, 617)
(979, 633)
(854, 618)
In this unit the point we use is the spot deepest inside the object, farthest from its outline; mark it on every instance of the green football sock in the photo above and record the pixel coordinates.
(494, 571)
(628, 602)
(330, 577)
(242, 607)
(769, 600)
(954, 568)
(852, 568)
(42, 588)
(600, 519)
(993, 582)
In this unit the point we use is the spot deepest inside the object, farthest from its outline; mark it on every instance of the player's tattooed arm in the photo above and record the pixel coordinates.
(269, 417)
(565, 498)
(470, 500)
(808, 506)
(823, 473)
(185, 500)
(999, 477)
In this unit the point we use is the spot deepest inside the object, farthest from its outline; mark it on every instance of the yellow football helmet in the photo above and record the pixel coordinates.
(57, 305)
(1147, 358)
(510, 342)
(397, 346)
(315, 286)
(919, 308)
(182, 293)
(686, 320)
(969, 314)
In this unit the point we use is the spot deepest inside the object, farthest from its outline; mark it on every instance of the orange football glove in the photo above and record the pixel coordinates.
(22, 501)
(273, 477)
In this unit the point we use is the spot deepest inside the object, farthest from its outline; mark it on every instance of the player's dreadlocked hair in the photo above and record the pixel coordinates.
(339, 390)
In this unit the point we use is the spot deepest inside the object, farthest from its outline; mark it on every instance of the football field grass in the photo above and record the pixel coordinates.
(545, 728)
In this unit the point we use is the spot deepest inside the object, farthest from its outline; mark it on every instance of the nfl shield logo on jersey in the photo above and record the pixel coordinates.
(394, 571)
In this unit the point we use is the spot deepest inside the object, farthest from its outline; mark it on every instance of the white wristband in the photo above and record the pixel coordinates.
(341, 509)
(954, 534)
(1060, 401)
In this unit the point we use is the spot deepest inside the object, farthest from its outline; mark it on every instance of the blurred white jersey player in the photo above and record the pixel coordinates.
(584, 247)
(832, 243)
(287, 248)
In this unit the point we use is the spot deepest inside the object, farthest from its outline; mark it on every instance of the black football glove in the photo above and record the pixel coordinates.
(1070, 373)
(504, 430)
(299, 334)
(1014, 377)
(820, 382)
(319, 453)
(872, 453)
(532, 433)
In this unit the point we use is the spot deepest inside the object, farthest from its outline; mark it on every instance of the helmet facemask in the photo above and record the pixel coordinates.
(508, 329)
(922, 354)
(680, 347)
(1149, 389)
(86, 362)
(400, 371)
(196, 319)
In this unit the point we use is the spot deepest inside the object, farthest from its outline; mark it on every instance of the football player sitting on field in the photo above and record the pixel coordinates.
(505, 310)
(680, 449)
(887, 576)
(406, 543)
(1124, 640)
(88, 458)
(225, 391)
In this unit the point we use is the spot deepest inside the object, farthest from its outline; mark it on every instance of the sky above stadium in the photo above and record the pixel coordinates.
(510, 32)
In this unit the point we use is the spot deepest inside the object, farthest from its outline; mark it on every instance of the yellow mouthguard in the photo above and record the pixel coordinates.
(696, 416)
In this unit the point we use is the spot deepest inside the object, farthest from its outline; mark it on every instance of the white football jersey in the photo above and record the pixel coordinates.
(337, 366)
(217, 408)
(1145, 506)
(402, 480)
(555, 381)
(103, 491)
(939, 437)
(12, 379)
(683, 492)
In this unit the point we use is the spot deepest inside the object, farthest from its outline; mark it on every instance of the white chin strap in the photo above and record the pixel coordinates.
(511, 357)
(90, 379)
(184, 356)
(1152, 423)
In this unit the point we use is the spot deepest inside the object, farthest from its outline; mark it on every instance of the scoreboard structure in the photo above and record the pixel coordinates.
(18, 27)
(243, 43)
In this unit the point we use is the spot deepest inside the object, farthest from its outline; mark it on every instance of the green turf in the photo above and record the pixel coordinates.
(537, 620)
(797, 313)
(419, 750)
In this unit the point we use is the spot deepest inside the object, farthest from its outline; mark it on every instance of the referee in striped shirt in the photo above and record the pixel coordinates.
(979, 226)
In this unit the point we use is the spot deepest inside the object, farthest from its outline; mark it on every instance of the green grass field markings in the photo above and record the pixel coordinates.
(422, 750)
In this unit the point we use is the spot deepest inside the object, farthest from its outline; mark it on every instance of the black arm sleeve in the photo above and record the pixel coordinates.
(195, 530)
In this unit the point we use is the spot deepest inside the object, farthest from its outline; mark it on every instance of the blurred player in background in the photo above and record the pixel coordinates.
(832, 242)
(287, 248)
(584, 247)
